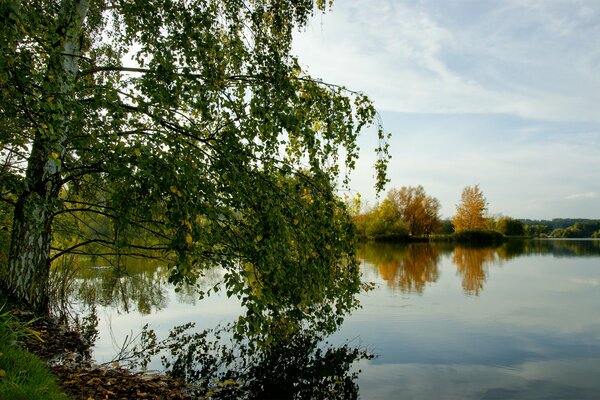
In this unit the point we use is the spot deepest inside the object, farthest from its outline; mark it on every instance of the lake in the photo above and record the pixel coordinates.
(518, 321)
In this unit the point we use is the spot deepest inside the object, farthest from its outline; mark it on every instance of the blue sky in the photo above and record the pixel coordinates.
(504, 94)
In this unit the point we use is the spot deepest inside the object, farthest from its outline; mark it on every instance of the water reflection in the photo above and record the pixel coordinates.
(130, 285)
(410, 267)
(527, 328)
(502, 327)
(299, 367)
(472, 266)
(563, 247)
(141, 285)
(282, 356)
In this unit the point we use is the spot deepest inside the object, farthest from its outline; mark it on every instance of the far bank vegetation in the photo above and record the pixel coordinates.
(410, 214)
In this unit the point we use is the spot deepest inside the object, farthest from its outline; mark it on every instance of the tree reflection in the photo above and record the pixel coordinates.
(273, 351)
(125, 285)
(408, 267)
(297, 367)
(563, 247)
(471, 264)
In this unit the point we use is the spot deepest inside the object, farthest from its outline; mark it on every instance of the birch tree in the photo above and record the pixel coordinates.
(190, 129)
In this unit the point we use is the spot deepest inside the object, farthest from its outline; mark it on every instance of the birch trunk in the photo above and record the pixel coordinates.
(25, 278)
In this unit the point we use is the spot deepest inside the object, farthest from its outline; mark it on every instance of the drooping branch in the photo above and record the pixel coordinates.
(107, 243)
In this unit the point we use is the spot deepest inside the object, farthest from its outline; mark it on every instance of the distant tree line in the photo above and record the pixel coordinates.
(409, 213)
(563, 228)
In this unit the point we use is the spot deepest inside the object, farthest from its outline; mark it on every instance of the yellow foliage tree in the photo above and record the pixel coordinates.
(418, 210)
(471, 212)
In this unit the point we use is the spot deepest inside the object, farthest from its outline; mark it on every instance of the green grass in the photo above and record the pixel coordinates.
(23, 376)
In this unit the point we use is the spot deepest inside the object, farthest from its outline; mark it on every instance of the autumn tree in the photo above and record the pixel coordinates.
(419, 211)
(191, 130)
(471, 212)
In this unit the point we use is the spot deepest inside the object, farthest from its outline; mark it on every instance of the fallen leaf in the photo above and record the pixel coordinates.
(93, 381)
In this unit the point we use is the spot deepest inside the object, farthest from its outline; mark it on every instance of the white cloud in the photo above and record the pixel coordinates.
(588, 195)
(528, 59)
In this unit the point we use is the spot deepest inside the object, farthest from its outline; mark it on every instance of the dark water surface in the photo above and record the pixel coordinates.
(520, 321)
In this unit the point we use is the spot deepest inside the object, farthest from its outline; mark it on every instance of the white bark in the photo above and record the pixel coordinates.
(26, 276)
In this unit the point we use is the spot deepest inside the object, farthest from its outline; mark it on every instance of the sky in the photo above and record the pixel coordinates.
(503, 94)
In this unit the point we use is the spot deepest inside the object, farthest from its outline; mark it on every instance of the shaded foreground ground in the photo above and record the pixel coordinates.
(69, 358)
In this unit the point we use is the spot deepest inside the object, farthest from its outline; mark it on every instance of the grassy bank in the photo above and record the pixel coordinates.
(23, 376)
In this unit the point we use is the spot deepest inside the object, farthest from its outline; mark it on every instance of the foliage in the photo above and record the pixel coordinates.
(559, 222)
(5, 224)
(383, 223)
(510, 227)
(537, 230)
(471, 211)
(407, 212)
(446, 227)
(418, 211)
(562, 227)
(210, 147)
(385, 230)
(578, 230)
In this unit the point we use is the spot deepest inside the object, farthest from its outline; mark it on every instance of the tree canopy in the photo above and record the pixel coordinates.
(405, 212)
(180, 128)
(471, 211)
(419, 211)
(510, 226)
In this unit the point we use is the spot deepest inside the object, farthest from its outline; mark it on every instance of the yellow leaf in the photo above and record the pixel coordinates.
(188, 239)
(2, 373)
(137, 152)
(176, 191)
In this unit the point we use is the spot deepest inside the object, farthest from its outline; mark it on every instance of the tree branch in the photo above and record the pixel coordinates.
(107, 243)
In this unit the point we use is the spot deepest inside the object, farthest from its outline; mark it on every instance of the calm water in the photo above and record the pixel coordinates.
(520, 321)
